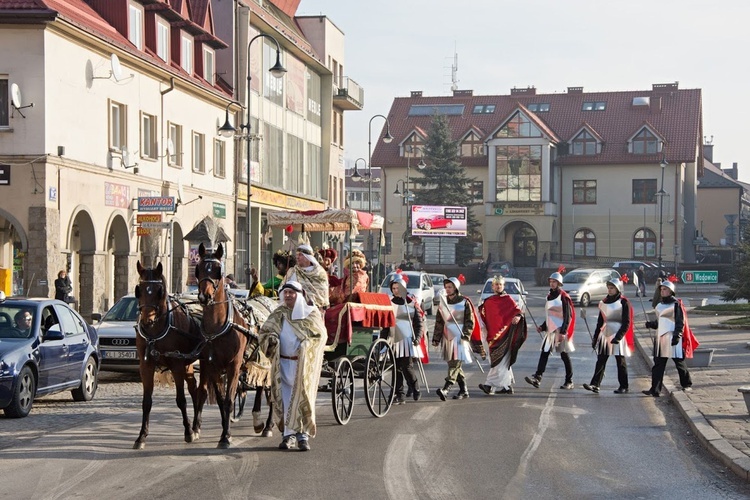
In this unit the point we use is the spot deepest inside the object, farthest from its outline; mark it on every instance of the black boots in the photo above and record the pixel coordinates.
(443, 393)
(463, 393)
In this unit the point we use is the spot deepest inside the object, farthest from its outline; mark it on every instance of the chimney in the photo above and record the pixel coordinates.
(734, 170)
(416, 93)
(708, 152)
(575, 90)
(526, 91)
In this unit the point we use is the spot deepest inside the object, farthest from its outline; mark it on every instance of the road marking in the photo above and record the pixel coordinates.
(560, 409)
(425, 413)
(396, 475)
(63, 489)
(514, 489)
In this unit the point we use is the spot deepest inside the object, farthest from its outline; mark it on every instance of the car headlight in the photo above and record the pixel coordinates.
(4, 368)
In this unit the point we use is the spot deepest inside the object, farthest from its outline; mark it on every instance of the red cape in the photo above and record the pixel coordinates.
(497, 313)
(630, 334)
(689, 342)
(572, 324)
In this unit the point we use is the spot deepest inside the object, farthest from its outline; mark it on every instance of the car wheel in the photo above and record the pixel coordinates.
(585, 300)
(427, 226)
(23, 395)
(89, 383)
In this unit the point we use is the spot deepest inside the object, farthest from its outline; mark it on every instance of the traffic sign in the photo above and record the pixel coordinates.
(155, 225)
(700, 276)
(499, 211)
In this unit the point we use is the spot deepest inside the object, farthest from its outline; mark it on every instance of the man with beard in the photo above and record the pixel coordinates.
(505, 334)
(294, 338)
(311, 276)
(282, 261)
(454, 325)
(613, 336)
(557, 331)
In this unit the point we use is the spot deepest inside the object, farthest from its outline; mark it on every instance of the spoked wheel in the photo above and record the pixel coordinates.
(342, 395)
(380, 378)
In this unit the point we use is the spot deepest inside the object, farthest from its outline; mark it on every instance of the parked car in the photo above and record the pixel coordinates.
(437, 285)
(54, 351)
(116, 332)
(501, 267)
(588, 285)
(418, 284)
(436, 221)
(513, 287)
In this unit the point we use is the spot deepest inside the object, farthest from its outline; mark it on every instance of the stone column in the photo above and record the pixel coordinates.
(44, 258)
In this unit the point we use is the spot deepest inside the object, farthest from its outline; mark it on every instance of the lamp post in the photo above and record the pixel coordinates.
(661, 194)
(226, 130)
(387, 138)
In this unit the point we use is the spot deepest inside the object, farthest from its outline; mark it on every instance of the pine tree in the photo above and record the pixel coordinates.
(445, 183)
(738, 286)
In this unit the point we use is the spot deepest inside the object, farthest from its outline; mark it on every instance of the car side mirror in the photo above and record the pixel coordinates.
(96, 317)
(54, 334)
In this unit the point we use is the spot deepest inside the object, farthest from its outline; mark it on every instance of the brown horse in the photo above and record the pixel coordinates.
(167, 338)
(227, 334)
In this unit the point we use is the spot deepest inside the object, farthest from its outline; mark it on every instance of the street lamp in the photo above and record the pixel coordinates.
(661, 194)
(387, 138)
(277, 71)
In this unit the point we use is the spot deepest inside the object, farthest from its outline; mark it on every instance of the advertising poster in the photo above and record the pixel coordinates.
(438, 220)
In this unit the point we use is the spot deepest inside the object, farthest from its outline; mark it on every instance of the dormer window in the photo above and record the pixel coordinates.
(135, 25)
(484, 109)
(539, 107)
(594, 106)
(519, 126)
(208, 65)
(472, 146)
(186, 53)
(162, 40)
(645, 143)
(412, 147)
(584, 144)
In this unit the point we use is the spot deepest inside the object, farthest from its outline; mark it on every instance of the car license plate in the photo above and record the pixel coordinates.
(120, 354)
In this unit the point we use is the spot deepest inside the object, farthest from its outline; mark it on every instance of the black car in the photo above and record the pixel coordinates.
(501, 268)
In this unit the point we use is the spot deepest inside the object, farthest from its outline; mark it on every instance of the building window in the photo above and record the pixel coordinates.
(413, 147)
(148, 136)
(542, 107)
(644, 243)
(594, 106)
(273, 88)
(584, 192)
(477, 192)
(162, 40)
(220, 158)
(584, 144)
(436, 109)
(518, 126)
(4, 103)
(472, 146)
(484, 109)
(186, 54)
(208, 65)
(199, 153)
(117, 126)
(273, 156)
(519, 173)
(175, 145)
(645, 143)
(644, 191)
(313, 171)
(293, 168)
(135, 25)
(584, 243)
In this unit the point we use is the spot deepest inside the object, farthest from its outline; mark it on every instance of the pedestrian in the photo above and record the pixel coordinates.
(406, 336)
(640, 275)
(557, 331)
(311, 275)
(294, 338)
(674, 339)
(613, 336)
(282, 261)
(506, 332)
(63, 287)
(454, 326)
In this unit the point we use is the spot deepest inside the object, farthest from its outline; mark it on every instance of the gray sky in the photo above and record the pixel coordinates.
(394, 47)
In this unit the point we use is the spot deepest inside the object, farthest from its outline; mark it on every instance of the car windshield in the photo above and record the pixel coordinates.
(437, 279)
(576, 278)
(16, 321)
(126, 309)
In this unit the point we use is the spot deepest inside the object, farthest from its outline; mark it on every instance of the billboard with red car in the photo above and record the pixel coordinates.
(438, 220)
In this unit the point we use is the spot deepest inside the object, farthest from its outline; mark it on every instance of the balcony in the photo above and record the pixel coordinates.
(348, 95)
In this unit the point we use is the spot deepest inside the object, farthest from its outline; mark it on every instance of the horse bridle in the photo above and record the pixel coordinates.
(214, 281)
(148, 291)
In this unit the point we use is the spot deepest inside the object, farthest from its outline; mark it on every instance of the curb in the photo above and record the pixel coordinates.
(731, 457)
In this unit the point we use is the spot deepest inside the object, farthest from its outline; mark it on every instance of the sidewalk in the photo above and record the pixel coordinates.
(714, 410)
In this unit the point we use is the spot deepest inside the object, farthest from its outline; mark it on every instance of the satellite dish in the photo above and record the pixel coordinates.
(180, 192)
(116, 67)
(15, 95)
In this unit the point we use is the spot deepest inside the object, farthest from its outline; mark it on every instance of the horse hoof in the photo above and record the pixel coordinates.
(189, 438)
(258, 429)
(139, 445)
(223, 445)
(267, 433)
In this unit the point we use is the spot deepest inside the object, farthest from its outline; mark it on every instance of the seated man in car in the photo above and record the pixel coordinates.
(23, 321)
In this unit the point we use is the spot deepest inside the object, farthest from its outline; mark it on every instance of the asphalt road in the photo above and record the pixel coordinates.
(537, 443)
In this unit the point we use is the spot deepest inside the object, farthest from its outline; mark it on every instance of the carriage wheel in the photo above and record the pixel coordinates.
(342, 395)
(380, 378)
